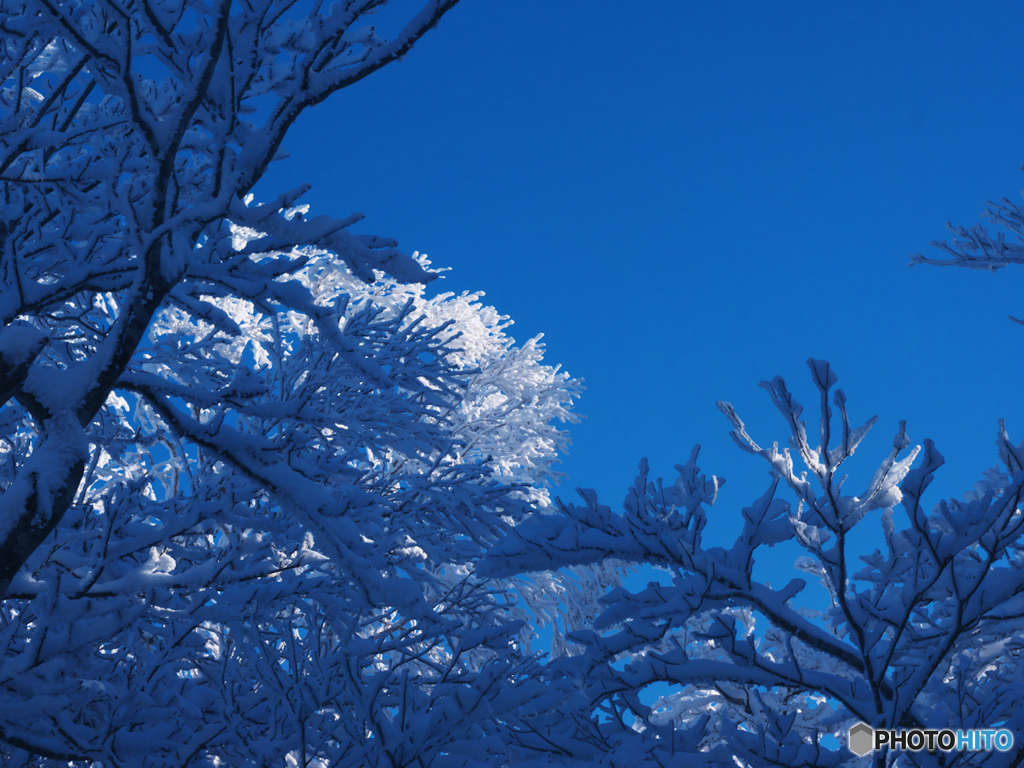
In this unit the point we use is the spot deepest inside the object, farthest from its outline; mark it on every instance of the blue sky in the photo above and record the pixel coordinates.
(687, 198)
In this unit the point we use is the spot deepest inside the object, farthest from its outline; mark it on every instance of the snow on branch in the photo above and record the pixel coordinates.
(924, 633)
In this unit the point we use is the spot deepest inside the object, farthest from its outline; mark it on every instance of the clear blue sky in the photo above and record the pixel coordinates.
(687, 198)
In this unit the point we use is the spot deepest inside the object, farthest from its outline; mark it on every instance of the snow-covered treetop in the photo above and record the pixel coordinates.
(921, 633)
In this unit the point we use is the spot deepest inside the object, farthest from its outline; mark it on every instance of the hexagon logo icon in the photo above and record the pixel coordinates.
(861, 739)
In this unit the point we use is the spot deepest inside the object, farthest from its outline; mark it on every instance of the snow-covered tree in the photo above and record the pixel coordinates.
(243, 490)
(130, 135)
(923, 633)
(185, 611)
